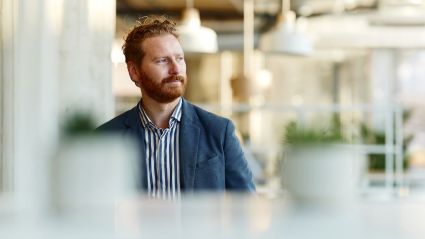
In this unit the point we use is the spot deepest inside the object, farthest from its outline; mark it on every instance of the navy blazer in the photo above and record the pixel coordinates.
(211, 157)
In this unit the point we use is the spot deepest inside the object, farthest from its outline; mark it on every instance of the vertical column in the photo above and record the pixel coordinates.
(86, 70)
(383, 78)
(2, 177)
(6, 91)
(58, 55)
(29, 112)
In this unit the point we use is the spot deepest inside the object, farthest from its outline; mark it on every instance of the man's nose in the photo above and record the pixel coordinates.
(174, 68)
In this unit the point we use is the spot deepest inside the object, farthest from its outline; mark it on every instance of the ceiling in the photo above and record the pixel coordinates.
(209, 9)
(213, 12)
(233, 9)
(226, 16)
(214, 5)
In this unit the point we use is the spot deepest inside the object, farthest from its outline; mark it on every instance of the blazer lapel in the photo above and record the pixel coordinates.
(189, 140)
(136, 130)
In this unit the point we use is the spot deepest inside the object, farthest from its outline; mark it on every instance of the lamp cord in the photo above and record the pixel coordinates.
(189, 4)
(286, 6)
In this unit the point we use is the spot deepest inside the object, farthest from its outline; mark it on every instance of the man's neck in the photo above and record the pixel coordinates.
(159, 113)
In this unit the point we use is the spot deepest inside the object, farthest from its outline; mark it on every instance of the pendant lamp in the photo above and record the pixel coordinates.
(194, 37)
(284, 37)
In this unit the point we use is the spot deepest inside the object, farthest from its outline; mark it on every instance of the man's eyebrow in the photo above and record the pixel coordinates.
(158, 57)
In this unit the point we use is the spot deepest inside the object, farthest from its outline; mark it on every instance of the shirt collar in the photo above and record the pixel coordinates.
(175, 116)
(177, 113)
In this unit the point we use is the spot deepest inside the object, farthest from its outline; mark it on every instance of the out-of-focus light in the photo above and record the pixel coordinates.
(264, 78)
(116, 55)
(350, 4)
(285, 37)
(194, 37)
(306, 10)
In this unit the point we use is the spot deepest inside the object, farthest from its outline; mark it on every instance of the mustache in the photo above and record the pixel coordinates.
(174, 78)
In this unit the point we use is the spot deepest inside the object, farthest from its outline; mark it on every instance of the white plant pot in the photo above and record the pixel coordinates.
(322, 173)
(93, 173)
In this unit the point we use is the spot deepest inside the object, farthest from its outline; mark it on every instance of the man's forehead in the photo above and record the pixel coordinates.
(162, 44)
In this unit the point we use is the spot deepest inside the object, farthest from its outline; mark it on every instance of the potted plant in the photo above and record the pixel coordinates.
(320, 165)
(92, 171)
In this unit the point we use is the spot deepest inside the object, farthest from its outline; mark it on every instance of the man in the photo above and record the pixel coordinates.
(183, 147)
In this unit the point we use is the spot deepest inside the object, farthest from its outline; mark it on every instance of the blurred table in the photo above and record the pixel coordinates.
(225, 216)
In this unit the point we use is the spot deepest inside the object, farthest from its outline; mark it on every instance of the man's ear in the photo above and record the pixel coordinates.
(134, 73)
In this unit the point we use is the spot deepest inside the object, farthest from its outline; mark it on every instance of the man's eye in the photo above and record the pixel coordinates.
(180, 58)
(162, 60)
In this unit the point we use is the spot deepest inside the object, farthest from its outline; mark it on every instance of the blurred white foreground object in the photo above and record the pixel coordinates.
(323, 173)
(94, 172)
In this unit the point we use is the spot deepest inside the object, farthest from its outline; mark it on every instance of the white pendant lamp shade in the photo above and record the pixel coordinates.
(193, 37)
(285, 38)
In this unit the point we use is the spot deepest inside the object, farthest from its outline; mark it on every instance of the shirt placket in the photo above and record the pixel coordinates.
(160, 161)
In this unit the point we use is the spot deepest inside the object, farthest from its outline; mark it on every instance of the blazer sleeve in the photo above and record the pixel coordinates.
(238, 176)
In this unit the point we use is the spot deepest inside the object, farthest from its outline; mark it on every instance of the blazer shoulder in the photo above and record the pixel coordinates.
(117, 123)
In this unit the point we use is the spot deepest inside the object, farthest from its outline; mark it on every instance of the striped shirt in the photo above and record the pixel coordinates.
(162, 155)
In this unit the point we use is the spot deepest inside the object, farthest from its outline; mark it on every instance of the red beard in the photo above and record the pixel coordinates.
(163, 92)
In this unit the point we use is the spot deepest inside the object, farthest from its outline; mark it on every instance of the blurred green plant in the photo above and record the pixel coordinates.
(370, 136)
(78, 124)
(377, 161)
(296, 134)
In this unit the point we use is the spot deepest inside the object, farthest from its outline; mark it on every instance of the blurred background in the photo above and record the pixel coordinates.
(352, 65)
(308, 62)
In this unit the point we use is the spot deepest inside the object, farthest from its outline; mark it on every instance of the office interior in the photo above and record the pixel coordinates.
(351, 66)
